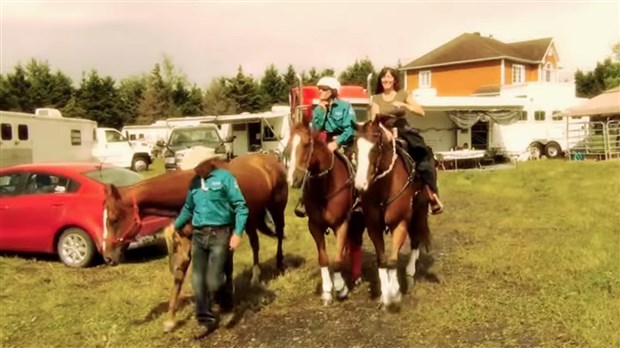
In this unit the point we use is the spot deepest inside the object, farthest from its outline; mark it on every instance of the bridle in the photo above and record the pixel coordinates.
(134, 227)
(380, 144)
(309, 175)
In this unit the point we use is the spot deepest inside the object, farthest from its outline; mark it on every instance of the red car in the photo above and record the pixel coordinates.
(58, 208)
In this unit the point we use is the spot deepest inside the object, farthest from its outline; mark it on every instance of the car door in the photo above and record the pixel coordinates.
(11, 186)
(42, 206)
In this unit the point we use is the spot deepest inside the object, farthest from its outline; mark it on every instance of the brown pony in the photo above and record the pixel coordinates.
(387, 189)
(262, 180)
(326, 180)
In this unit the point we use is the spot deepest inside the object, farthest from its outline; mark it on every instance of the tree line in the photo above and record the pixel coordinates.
(162, 93)
(166, 92)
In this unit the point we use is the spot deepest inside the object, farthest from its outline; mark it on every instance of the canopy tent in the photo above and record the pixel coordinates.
(604, 104)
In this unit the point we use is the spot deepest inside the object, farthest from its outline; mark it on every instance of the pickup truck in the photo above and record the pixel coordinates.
(184, 138)
(111, 147)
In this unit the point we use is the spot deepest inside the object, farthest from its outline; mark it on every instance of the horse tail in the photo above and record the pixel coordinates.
(419, 229)
(263, 227)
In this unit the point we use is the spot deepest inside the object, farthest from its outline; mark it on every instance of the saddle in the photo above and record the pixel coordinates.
(402, 148)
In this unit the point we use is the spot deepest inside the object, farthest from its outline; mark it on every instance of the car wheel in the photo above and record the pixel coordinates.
(75, 248)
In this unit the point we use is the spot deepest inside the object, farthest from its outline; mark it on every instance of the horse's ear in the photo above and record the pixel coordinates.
(112, 192)
(387, 120)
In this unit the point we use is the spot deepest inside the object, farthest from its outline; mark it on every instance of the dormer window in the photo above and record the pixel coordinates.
(518, 73)
(425, 79)
(549, 72)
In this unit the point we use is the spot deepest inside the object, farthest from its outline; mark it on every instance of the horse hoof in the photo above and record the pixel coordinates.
(342, 294)
(168, 325)
(410, 282)
(327, 298)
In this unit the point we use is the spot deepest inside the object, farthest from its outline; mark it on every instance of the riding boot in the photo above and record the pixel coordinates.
(357, 205)
(423, 167)
(300, 210)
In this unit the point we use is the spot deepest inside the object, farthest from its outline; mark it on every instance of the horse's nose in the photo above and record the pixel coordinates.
(109, 261)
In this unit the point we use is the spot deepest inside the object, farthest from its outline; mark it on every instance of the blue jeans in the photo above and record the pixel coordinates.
(212, 267)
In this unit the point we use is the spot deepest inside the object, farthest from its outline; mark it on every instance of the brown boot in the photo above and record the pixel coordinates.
(436, 206)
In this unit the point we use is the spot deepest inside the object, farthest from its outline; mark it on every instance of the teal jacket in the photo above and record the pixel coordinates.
(340, 120)
(220, 202)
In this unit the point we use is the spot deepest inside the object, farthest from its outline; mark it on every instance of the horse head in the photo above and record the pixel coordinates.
(376, 150)
(306, 152)
(121, 222)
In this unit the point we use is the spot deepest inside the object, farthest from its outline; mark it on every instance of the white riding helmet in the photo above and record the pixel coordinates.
(330, 82)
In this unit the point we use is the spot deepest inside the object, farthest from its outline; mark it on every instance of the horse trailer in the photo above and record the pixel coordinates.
(43, 137)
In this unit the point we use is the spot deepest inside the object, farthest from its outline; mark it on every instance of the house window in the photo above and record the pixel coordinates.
(76, 137)
(518, 73)
(549, 73)
(539, 115)
(425, 79)
(22, 132)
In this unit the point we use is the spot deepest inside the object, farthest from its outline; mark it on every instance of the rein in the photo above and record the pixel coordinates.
(308, 175)
(409, 180)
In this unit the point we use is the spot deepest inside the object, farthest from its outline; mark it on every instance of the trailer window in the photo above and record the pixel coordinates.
(268, 134)
(7, 131)
(76, 137)
(523, 116)
(22, 132)
(539, 115)
(556, 115)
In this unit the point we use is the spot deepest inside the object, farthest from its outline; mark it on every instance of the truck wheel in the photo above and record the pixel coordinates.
(75, 248)
(139, 164)
(553, 150)
(535, 150)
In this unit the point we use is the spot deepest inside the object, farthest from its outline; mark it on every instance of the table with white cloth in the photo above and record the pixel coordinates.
(460, 155)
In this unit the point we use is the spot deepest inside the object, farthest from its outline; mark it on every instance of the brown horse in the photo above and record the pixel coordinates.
(328, 196)
(262, 180)
(387, 188)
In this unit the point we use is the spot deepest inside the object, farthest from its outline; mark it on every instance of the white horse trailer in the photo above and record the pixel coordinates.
(43, 137)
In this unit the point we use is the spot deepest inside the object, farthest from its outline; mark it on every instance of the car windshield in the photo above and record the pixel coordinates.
(190, 137)
(116, 176)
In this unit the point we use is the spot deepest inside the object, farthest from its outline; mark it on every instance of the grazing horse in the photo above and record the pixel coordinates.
(392, 198)
(262, 180)
(326, 179)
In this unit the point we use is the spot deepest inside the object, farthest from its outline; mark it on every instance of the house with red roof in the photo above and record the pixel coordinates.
(501, 97)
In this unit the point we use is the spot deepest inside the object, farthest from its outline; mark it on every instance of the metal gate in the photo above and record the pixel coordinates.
(596, 139)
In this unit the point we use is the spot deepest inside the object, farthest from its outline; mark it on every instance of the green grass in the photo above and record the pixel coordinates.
(526, 257)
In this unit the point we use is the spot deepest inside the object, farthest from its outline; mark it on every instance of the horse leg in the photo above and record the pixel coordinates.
(318, 234)
(181, 258)
(413, 258)
(355, 236)
(341, 239)
(376, 236)
(398, 239)
(250, 229)
(278, 219)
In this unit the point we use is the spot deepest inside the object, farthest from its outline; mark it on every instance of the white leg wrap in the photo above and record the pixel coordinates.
(394, 286)
(415, 253)
(327, 280)
(340, 286)
(385, 286)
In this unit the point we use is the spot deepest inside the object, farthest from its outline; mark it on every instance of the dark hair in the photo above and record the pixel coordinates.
(383, 72)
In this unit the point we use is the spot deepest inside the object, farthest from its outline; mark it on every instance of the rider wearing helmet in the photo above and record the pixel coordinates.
(335, 117)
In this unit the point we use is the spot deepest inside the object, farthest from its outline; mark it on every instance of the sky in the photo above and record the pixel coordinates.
(206, 39)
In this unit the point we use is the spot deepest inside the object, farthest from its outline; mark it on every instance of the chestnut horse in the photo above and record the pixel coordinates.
(326, 179)
(392, 198)
(262, 180)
